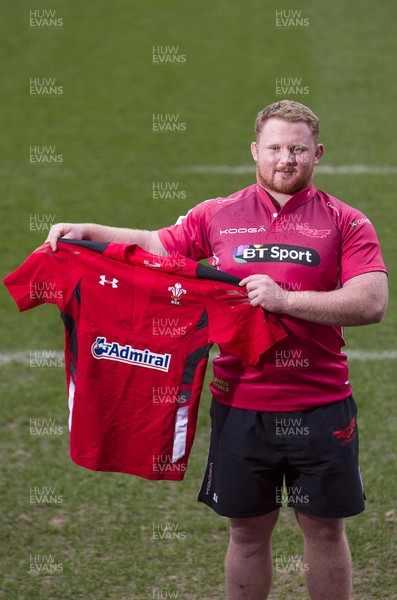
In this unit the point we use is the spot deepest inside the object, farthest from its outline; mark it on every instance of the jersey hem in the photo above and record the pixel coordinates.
(284, 407)
(129, 471)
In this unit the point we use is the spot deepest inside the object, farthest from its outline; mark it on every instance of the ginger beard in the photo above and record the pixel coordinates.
(285, 156)
(287, 181)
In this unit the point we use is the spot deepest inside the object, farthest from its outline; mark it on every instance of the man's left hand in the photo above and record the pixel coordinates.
(263, 291)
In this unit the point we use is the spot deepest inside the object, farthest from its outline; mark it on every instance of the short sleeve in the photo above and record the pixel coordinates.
(360, 250)
(189, 235)
(237, 326)
(45, 277)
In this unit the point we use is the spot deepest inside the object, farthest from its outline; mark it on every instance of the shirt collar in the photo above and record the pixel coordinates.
(296, 200)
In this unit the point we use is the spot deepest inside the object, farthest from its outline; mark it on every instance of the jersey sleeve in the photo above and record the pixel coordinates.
(45, 277)
(360, 249)
(237, 326)
(189, 235)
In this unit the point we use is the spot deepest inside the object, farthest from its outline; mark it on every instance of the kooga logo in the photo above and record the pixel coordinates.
(277, 253)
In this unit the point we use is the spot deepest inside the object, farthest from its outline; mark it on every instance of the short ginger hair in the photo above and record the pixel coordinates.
(288, 110)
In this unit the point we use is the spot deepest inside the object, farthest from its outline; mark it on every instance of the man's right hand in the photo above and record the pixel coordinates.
(71, 231)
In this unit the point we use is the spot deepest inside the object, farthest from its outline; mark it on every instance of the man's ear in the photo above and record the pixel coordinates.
(254, 151)
(319, 153)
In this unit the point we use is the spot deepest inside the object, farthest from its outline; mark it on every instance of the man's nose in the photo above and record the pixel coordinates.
(287, 157)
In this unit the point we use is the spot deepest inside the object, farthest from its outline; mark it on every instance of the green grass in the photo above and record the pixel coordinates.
(102, 532)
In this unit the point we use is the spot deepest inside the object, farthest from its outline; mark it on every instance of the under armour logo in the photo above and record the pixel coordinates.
(103, 280)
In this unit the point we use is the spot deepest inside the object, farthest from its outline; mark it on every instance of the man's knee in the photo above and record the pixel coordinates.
(320, 529)
(255, 530)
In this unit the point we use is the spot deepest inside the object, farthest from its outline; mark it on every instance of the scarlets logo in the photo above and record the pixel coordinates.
(348, 434)
(101, 348)
(312, 233)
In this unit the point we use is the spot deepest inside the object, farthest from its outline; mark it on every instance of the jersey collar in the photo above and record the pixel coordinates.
(294, 202)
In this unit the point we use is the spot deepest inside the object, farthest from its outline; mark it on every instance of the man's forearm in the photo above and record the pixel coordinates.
(148, 240)
(361, 301)
(339, 308)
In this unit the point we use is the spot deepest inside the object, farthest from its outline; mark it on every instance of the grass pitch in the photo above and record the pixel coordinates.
(97, 539)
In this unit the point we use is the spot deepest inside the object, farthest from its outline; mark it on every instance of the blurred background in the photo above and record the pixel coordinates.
(129, 114)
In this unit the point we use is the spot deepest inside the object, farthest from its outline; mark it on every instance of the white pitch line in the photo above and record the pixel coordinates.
(362, 355)
(24, 357)
(321, 169)
(368, 355)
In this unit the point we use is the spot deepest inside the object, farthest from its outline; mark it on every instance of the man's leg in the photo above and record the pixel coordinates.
(328, 557)
(249, 557)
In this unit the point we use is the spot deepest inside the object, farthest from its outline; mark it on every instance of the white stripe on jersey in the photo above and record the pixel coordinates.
(70, 402)
(180, 433)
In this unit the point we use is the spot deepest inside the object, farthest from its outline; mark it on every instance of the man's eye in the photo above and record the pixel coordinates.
(274, 147)
(297, 149)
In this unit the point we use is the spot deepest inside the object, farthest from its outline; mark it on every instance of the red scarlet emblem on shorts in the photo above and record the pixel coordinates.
(348, 434)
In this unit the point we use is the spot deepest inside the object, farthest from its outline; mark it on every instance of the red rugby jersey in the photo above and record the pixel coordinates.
(138, 329)
(314, 242)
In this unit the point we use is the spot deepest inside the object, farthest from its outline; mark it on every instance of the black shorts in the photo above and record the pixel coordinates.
(306, 459)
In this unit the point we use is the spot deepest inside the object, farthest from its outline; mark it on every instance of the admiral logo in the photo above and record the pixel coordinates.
(277, 253)
(233, 231)
(129, 355)
(312, 233)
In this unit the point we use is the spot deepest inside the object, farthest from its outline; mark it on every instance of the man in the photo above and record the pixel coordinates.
(316, 263)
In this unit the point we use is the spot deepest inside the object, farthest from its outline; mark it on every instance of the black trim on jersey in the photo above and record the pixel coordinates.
(202, 271)
(190, 369)
(76, 292)
(210, 273)
(203, 321)
(96, 246)
(73, 368)
(70, 326)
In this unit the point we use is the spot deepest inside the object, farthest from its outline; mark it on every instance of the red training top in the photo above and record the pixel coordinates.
(314, 242)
